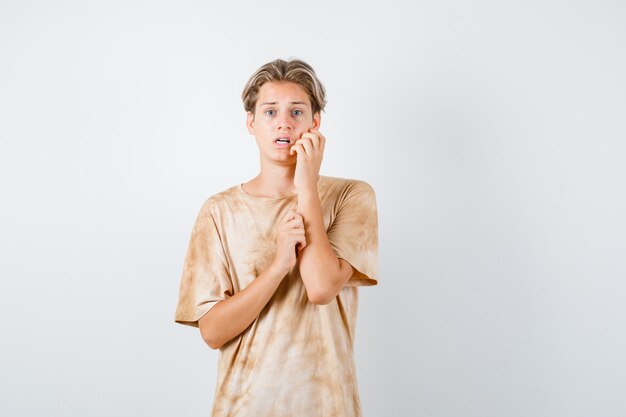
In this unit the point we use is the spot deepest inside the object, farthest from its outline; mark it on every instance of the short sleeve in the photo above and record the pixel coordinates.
(205, 279)
(353, 235)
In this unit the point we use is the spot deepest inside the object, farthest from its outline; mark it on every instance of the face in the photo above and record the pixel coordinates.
(283, 111)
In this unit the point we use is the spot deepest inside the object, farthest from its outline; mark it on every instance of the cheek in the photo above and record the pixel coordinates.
(305, 123)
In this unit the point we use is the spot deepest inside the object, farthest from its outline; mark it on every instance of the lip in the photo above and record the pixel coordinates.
(283, 145)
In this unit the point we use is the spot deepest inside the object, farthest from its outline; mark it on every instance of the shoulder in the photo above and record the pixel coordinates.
(219, 202)
(346, 186)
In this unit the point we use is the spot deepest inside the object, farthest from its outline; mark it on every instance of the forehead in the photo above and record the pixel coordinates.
(282, 92)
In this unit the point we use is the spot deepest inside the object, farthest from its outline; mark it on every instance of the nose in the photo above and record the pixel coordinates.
(283, 122)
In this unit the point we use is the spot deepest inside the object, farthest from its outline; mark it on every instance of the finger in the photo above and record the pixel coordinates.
(288, 216)
(315, 139)
(316, 131)
(301, 239)
(296, 234)
(308, 146)
(292, 214)
(297, 239)
(322, 138)
(294, 223)
(303, 139)
(299, 150)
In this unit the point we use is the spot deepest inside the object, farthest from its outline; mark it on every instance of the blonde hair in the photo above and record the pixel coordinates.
(279, 70)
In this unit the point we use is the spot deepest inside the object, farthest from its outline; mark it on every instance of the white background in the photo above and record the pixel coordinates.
(493, 133)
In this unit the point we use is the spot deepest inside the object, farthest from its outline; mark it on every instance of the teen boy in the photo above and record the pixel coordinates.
(273, 264)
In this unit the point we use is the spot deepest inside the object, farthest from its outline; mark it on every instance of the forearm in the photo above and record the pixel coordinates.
(320, 269)
(232, 316)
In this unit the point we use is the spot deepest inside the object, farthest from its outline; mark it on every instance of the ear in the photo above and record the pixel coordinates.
(250, 122)
(317, 120)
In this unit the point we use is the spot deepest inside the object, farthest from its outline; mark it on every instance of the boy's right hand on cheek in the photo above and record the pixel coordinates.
(290, 235)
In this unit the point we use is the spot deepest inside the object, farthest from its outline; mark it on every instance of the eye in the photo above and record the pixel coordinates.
(269, 112)
(297, 112)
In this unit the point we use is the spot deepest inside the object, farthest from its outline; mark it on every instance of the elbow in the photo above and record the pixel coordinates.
(215, 346)
(323, 293)
(212, 342)
(320, 297)
(324, 288)
(209, 335)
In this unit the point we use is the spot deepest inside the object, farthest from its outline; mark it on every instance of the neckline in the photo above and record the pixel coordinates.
(251, 197)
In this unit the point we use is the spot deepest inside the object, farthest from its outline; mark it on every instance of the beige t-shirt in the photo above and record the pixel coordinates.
(296, 358)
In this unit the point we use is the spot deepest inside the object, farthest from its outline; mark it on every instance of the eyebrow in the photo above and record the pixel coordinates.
(275, 102)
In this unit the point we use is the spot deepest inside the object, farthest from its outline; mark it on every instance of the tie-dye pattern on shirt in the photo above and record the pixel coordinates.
(296, 358)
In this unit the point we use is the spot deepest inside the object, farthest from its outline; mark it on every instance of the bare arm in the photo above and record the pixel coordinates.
(231, 316)
(323, 274)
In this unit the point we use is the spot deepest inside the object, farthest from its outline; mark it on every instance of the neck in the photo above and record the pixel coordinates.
(273, 181)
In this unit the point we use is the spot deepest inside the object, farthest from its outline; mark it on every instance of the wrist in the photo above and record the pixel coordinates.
(308, 187)
(307, 192)
(278, 271)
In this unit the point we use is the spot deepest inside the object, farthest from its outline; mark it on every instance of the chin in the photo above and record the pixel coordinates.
(285, 159)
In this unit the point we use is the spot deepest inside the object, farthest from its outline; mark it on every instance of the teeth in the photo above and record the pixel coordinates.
(282, 140)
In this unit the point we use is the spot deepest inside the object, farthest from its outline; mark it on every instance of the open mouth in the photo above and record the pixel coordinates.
(283, 140)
